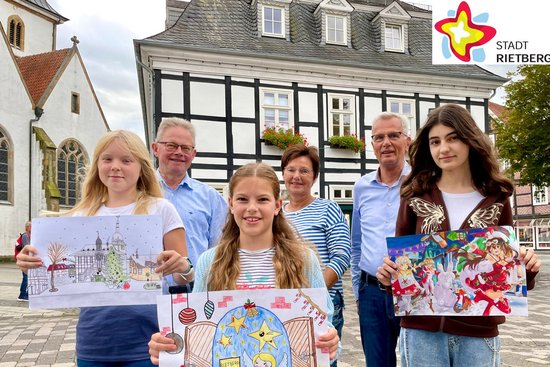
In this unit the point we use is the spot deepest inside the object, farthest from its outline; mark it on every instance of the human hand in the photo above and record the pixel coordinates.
(169, 262)
(386, 271)
(530, 259)
(328, 342)
(27, 258)
(160, 343)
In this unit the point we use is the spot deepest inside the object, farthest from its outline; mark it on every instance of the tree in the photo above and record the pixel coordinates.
(522, 137)
(56, 252)
(115, 273)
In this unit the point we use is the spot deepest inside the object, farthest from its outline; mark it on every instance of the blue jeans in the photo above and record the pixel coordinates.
(438, 349)
(139, 363)
(23, 288)
(379, 325)
(338, 317)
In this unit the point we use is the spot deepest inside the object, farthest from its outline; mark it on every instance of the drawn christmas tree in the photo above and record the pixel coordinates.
(115, 275)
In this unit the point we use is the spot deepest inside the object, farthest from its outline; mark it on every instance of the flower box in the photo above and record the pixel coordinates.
(281, 138)
(350, 142)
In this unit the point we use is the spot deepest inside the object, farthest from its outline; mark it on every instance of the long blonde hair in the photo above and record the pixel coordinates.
(290, 259)
(94, 192)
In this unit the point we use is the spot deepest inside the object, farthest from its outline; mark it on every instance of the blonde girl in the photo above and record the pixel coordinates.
(257, 250)
(121, 181)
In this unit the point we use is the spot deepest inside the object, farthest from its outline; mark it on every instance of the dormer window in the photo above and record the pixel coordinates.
(273, 21)
(394, 37)
(336, 29)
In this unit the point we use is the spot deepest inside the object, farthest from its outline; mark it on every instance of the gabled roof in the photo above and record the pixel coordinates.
(230, 26)
(39, 71)
(497, 109)
(43, 4)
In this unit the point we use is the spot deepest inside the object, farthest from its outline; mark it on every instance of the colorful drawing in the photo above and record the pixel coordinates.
(473, 272)
(96, 261)
(247, 329)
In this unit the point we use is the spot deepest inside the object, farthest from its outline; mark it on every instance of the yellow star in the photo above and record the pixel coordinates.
(462, 33)
(237, 323)
(225, 341)
(265, 335)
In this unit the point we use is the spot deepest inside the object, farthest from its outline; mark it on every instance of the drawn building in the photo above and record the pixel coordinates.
(38, 280)
(321, 67)
(142, 267)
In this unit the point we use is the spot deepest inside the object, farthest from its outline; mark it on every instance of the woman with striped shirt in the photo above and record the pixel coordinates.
(317, 220)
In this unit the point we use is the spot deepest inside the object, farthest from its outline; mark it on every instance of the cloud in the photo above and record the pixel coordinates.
(106, 30)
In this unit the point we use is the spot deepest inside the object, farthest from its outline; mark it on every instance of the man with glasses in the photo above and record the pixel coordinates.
(201, 208)
(376, 198)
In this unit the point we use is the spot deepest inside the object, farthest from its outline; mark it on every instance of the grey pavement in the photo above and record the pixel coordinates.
(47, 337)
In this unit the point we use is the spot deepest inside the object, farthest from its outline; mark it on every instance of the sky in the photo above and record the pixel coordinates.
(106, 30)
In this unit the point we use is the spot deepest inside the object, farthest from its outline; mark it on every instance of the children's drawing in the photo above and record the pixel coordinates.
(96, 261)
(473, 272)
(273, 327)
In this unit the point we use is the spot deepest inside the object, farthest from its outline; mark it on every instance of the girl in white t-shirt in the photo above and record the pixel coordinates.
(121, 181)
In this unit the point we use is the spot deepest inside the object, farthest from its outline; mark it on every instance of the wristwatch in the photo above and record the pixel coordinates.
(189, 270)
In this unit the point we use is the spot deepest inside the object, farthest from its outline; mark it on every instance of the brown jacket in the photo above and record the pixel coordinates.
(427, 214)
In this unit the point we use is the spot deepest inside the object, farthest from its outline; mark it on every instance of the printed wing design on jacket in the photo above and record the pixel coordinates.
(485, 217)
(433, 214)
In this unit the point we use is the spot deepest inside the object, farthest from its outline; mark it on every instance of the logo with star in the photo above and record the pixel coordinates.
(464, 33)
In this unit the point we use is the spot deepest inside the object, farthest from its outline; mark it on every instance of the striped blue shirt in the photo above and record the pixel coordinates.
(323, 223)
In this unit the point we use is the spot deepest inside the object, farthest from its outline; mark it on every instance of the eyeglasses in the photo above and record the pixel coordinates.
(301, 171)
(394, 136)
(172, 147)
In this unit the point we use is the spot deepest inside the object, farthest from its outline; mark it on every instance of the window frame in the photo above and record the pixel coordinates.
(536, 190)
(342, 188)
(278, 108)
(398, 27)
(4, 139)
(75, 103)
(283, 22)
(344, 30)
(81, 161)
(16, 32)
(341, 112)
(411, 131)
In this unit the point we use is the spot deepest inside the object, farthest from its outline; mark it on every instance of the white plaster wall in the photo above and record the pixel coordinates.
(478, 113)
(210, 136)
(38, 30)
(15, 113)
(207, 99)
(201, 174)
(172, 96)
(308, 107)
(311, 134)
(424, 111)
(242, 101)
(244, 140)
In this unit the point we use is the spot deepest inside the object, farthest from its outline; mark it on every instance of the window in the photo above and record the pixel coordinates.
(16, 32)
(540, 195)
(276, 109)
(5, 163)
(394, 38)
(273, 23)
(525, 236)
(75, 102)
(405, 108)
(341, 115)
(341, 193)
(71, 162)
(336, 29)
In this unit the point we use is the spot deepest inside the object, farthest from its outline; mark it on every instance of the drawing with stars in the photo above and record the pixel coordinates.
(96, 261)
(274, 327)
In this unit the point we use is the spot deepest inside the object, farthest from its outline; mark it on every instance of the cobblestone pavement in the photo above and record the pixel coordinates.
(47, 337)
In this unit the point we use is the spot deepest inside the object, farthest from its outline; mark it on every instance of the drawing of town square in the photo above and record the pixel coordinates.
(95, 261)
(245, 328)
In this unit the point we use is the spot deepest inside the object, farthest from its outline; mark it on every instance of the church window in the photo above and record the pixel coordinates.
(16, 32)
(6, 160)
(75, 102)
(71, 162)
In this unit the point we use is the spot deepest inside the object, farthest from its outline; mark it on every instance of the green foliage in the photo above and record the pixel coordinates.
(115, 275)
(283, 138)
(523, 140)
(347, 142)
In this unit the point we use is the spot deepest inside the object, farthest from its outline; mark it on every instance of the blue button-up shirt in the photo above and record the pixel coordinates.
(375, 207)
(203, 212)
